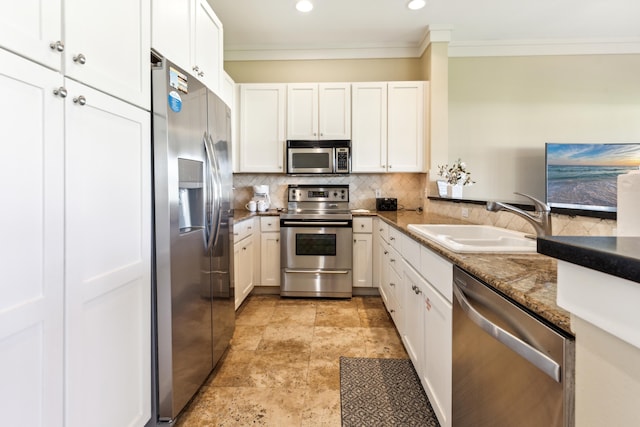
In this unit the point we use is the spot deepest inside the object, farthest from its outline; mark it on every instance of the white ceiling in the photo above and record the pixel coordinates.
(274, 29)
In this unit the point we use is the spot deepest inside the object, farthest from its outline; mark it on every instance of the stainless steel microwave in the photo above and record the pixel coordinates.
(318, 157)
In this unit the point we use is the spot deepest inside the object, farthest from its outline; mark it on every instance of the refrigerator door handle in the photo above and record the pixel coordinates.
(533, 355)
(216, 186)
(211, 228)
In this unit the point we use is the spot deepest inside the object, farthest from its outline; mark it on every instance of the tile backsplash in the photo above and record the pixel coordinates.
(562, 225)
(408, 188)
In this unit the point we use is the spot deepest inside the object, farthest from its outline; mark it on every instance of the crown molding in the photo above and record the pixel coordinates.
(318, 54)
(544, 47)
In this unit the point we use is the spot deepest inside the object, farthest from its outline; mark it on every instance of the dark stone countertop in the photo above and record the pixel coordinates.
(618, 256)
(527, 279)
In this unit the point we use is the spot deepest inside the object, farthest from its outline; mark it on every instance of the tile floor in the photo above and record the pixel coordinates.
(283, 365)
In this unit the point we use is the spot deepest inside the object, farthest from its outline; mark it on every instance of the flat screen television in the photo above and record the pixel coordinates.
(584, 176)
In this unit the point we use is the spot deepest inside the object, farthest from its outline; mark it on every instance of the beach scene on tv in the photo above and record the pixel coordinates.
(585, 175)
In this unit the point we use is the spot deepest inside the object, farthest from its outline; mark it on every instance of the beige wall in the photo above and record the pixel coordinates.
(502, 110)
(346, 70)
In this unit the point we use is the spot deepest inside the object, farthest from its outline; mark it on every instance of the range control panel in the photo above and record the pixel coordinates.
(315, 193)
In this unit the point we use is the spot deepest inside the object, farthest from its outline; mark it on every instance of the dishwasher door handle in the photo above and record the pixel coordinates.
(533, 355)
(288, 270)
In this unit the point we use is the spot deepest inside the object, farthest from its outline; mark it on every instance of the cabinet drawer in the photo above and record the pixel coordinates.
(382, 228)
(437, 271)
(269, 223)
(395, 238)
(242, 229)
(411, 251)
(362, 225)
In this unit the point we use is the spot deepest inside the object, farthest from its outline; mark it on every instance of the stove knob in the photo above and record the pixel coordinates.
(335, 194)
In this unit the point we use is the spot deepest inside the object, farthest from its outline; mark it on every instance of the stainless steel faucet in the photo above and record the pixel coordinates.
(540, 219)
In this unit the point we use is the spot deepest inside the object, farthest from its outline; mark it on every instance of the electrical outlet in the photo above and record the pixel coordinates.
(378, 193)
(465, 212)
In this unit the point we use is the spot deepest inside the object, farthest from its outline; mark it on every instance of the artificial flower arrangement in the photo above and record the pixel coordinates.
(457, 174)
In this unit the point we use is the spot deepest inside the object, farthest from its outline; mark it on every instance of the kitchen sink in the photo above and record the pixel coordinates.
(475, 238)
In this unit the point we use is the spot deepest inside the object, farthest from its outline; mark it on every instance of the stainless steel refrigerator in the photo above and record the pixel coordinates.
(194, 315)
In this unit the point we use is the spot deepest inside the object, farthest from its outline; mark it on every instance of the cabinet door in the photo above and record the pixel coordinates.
(334, 107)
(436, 365)
(369, 127)
(262, 118)
(207, 46)
(31, 252)
(362, 259)
(107, 260)
(413, 336)
(270, 259)
(243, 269)
(28, 27)
(107, 47)
(406, 117)
(171, 30)
(302, 111)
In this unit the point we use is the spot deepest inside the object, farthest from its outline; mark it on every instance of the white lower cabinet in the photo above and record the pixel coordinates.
(32, 244)
(75, 258)
(107, 260)
(270, 251)
(243, 260)
(436, 363)
(363, 252)
(415, 285)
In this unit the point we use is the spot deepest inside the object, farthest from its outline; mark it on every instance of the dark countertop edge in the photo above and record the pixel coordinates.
(617, 256)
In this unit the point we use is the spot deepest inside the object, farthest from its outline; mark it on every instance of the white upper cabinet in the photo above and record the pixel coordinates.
(31, 252)
(171, 29)
(32, 28)
(262, 126)
(189, 34)
(207, 60)
(405, 126)
(388, 127)
(107, 47)
(369, 132)
(319, 111)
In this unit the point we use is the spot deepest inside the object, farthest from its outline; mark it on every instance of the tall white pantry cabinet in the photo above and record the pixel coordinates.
(75, 255)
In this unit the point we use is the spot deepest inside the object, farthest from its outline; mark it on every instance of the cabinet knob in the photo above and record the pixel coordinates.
(58, 45)
(392, 238)
(201, 74)
(361, 225)
(196, 68)
(81, 100)
(391, 284)
(61, 92)
(277, 240)
(390, 166)
(386, 252)
(80, 59)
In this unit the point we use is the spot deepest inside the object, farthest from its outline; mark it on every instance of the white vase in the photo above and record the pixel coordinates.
(454, 191)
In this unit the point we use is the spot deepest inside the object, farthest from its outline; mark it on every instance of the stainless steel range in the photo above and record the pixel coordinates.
(316, 249)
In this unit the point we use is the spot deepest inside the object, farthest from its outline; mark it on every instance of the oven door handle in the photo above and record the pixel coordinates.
(288, 270)
(314, 223)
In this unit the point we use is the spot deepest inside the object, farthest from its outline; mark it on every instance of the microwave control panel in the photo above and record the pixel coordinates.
(342, 160)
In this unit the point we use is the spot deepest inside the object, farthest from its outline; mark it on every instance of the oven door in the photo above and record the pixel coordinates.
(310, 160)
(316, 258)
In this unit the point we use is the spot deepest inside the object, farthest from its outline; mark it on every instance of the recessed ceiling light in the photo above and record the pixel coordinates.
(416, 4)
(305, 6)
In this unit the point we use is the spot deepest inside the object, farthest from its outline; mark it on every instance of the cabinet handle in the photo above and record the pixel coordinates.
(80, 59)
(61, 92)
(392, 260)
(58, 45)
(81, 100)
(392, 284)
(196, 68)
(392, 238)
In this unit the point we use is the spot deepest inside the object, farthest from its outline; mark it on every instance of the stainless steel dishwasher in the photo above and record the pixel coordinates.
(509, 368)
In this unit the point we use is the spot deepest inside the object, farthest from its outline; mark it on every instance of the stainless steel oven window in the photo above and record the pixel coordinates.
(316, 244)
